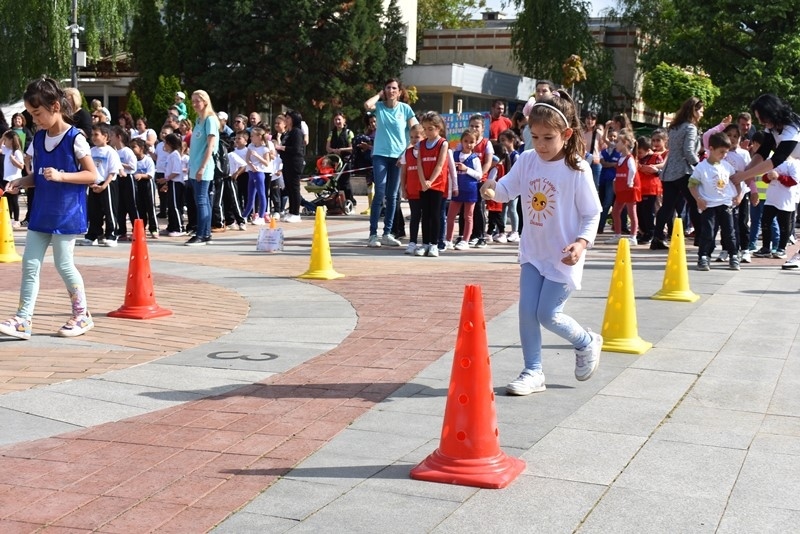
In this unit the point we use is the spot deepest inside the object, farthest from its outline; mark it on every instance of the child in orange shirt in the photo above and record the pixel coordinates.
(410, 187)
(627, 186)
(650, 164)
(433, 171)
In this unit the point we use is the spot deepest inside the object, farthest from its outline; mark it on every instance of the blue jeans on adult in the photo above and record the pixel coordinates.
(541, 302)
(596, 168)
(386, 175)
(202, 199)
(607, 199)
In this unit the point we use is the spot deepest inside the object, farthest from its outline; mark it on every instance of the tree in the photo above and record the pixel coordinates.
(36, 42)
(451, 14)
(149, 59)
(746, 48)
(134, 106)
(394, 42)
(540, 47)
(165, 96)
(666, 87)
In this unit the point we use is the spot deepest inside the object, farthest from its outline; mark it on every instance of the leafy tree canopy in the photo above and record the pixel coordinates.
(35, 40)
(746, 48)
(665, 88)
(540, 47)
(452, 14)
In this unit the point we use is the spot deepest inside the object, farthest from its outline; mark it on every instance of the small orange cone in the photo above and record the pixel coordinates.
(676, 275)
(469, 450)
(140, 300)
(8, 252)
(620, 327)
(321, 266)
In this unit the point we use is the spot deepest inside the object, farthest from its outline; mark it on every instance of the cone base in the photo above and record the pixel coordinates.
(491, 473)
(10, 257)
(326, 274)
(630, 345)
(676, 296)
(140, 312)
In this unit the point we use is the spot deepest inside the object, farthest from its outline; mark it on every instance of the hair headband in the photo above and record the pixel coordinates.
(542, 104)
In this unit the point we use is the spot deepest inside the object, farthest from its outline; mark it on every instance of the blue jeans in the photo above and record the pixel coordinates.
(387, 184)
(541, 302)
(755, 225)
(36, 244)
(202, 200)
(596, 168)
(607, 198)
(510, 210)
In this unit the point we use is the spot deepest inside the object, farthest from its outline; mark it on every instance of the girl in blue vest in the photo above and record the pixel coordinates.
(62, 168)
(469, 174)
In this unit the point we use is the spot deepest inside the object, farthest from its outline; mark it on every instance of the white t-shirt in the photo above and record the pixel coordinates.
(560, 205)
(80, 146)
(235, 162)
(161, 157)
(185, 167)
(173, 165)
(146, 166)
(789, 133)
(256, 165)
(715, 185)
(10, 172)
(779, 195)
(738, 158)
(128, 160)
(107, 162)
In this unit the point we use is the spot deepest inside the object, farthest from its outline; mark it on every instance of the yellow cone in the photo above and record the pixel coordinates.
(8, 253)
(321, 267)
(676, 275)
(620, 327)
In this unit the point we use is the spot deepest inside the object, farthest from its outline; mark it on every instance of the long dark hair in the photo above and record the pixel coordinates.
(45, 92)
(686, 113)
(771, 108)
(296, 118)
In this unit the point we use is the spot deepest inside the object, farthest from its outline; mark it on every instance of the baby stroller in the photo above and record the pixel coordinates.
(325, 187)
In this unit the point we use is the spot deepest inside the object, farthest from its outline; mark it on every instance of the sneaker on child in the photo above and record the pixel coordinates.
(513, 237)
(526, 383)
(746, 256)
(433, 251)
(374, 242)
(702, 264)
(462, 245)
(779, 254)
(723, 256)
(587, 358)
(390, 241)
(76, 326)
(16, 327)
(411, 248)
(792, 263)
(733, 263)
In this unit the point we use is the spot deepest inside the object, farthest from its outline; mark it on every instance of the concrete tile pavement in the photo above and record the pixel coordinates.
(333, 424)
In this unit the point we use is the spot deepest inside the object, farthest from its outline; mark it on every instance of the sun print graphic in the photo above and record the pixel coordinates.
(542, 200)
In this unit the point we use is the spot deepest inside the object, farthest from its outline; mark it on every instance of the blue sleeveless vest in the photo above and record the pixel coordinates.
(59, 208)
(467, 185)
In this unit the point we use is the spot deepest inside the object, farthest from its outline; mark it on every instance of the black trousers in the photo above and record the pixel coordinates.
(784, 226)
(673, 191)
(718, 215)
(102, 209)
(126, 206)
(146, 203)
(174, 206)
(431, 205)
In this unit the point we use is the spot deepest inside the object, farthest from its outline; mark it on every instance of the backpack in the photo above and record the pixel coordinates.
(221, 164)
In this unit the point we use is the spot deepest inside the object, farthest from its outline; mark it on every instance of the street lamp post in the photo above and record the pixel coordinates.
(75, 30)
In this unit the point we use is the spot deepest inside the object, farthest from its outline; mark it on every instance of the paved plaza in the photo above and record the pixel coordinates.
(270, 404)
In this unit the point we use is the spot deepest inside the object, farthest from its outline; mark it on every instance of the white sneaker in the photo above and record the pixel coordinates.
(175, 234)
(488, 238)
(791, 263)
(723, 256)
(86, 242)
(448, 245)
(258, 221)
(792, 239)
(433, 251)
(501, 238)
(374, 242)
(746, 256)
(411, 248)
(613, 239)
(526, 383)
(292, 219)
(462, 245)
(633, 241)
(276, 216)
(420, 250)
(110, 243)
(513, 237)
(587, 358)
(390, 241)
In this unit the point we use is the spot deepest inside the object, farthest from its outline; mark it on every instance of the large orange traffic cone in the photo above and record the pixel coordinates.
(676, 274)
(469, 450)
(321, 266)
(620, 327)
(8, 252)
(140, 300)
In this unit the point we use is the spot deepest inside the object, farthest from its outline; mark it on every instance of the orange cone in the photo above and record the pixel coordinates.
(8, 252)
(140, 300)
(469, 450)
